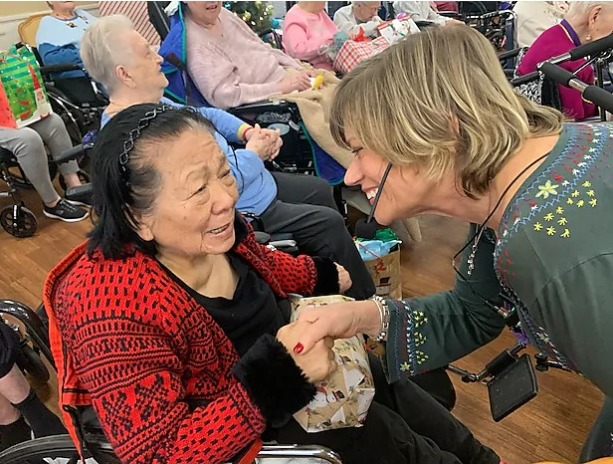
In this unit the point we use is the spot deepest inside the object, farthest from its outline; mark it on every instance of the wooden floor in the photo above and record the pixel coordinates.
(552, 427)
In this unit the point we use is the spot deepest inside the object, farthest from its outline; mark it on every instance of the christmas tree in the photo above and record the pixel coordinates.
(257, 15)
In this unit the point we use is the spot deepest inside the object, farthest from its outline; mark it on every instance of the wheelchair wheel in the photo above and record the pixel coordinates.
(32, 363)
(53, 449)
(18, 221)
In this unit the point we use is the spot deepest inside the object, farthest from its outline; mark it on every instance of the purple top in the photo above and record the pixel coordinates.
(555, 41)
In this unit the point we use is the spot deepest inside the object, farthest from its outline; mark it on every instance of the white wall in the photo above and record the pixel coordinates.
(8, 25)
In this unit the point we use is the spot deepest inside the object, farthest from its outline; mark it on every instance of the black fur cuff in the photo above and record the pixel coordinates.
(327, 277)
(273, 380)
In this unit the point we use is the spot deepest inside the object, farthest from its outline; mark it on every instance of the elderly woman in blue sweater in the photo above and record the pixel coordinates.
(59, 36)
(118, 57)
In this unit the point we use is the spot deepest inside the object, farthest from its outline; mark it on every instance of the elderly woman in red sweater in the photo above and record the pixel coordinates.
(171, 322)
(584, 22)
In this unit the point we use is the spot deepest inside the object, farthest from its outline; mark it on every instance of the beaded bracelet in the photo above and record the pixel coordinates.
(384, 315)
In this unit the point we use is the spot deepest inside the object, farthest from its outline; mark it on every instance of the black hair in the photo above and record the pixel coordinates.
(125, 181)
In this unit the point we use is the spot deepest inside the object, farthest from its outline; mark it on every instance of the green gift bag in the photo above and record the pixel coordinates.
(23, 87)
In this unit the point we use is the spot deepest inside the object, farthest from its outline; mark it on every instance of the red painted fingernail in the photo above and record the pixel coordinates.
(298, 348)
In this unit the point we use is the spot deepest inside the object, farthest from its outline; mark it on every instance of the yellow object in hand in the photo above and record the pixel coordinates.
(318, 82)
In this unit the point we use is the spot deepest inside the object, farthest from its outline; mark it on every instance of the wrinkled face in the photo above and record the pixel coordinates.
(206, 11)
(193, 212)
(365, 11)
(404, 193)
(600, 22)
(143, 70)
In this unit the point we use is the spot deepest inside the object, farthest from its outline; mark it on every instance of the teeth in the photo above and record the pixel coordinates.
(372, 193)
(218, 230)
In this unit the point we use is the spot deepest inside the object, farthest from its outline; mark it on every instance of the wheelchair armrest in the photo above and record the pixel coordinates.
(58, 68)
(509, 54)
(300, 451)
(265, 105)
(73, 153)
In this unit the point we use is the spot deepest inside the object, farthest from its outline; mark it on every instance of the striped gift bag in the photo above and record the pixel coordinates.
(137, 12)
(25, 100)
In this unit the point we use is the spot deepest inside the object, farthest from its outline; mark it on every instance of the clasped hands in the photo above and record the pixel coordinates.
(266, 143)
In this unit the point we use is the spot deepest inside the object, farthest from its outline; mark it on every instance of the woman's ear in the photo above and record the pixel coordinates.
(594, 13)
(123, 76)
(144, 228)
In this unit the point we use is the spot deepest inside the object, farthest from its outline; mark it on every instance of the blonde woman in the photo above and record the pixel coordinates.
(445, 134)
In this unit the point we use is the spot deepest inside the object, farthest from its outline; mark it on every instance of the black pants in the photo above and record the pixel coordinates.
(599, 442)
(404, 425)
(305, 208)
(10, 349)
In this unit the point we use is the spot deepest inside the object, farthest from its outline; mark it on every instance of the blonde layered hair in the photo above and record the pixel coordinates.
(439, 100)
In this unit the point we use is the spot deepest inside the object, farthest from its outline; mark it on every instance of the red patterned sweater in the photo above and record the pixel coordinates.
(131, 342)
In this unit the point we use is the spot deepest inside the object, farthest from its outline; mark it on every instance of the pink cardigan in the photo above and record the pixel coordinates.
(304, 35)
(237, 68)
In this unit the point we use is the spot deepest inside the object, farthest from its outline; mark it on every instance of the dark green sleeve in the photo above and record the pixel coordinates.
(430, 332)
(577, 312)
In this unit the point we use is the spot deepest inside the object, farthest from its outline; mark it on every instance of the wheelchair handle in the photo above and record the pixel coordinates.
(73, 153)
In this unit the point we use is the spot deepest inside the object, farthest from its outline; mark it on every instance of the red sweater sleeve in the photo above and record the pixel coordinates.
(127, 344)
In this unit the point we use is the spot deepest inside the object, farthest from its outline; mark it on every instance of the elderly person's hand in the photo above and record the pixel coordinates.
(342, 320)
(276, 142)
(344, 279)
(262, 142)
(319, 362)
(296, 81)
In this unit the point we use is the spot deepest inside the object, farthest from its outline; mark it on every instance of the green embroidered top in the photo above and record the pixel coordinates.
(553, 260)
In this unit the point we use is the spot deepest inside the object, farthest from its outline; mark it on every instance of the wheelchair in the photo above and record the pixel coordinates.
(97, 449)
(17, 219)
(60, 448)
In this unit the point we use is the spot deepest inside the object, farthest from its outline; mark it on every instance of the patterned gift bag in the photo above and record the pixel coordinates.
(23, 87)
(352, 53)
(343, 399)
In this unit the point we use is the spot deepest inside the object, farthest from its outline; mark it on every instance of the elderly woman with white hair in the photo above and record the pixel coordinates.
(358, 15)
(584, 22)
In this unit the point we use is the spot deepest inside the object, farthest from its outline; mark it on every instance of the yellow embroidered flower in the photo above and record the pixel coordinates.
(538, 226)
(570, 201)
(580, 203)
(587, 183)
(593, 202)
(565, 234)
(590, 193)
(548, 217)
(551, 230)
(547, 189)
(562, 221)
(575, 194)
(405, 367)
(559, 210)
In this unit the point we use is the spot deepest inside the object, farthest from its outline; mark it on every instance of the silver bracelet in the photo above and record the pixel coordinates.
(384, 316)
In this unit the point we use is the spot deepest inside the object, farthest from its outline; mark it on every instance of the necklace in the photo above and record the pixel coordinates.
(476, 238)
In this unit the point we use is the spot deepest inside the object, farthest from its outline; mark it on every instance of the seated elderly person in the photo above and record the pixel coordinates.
(18, 401)
(29, 146)
(228, 62)
(584, 22)
(116, 55)
(308, 33)
(171, 320)
(358, 15)
(423, 11)
(59, 35)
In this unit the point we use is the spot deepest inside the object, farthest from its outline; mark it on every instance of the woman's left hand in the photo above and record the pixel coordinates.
(344, 279)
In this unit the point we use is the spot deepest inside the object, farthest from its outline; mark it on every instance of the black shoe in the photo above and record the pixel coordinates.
(65, 211)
